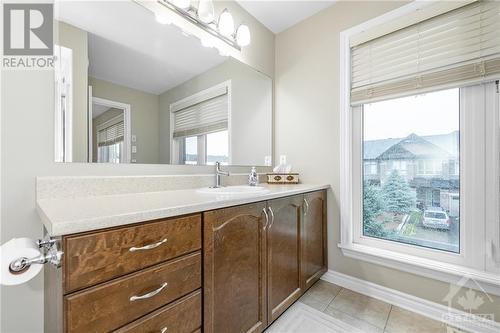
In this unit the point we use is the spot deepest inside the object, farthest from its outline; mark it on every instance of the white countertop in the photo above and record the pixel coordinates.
(63, 216)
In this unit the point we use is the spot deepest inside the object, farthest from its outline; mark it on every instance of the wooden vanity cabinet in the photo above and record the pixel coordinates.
(313, 238)
(235, 269)
(229, 270)
(259, 259)
(284, 284)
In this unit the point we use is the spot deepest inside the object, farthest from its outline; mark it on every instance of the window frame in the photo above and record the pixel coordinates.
(448, 267)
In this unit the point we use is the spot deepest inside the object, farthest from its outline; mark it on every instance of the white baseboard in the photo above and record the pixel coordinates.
(421, 306)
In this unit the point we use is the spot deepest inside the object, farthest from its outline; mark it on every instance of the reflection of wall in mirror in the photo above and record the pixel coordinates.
(251, 110)
(76, 39)
(144, 108)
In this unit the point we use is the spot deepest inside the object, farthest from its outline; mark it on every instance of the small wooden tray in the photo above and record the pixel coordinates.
(282, 178)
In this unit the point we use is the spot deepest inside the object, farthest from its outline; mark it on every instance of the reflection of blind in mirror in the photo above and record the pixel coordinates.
(203, 117)
(111, 134)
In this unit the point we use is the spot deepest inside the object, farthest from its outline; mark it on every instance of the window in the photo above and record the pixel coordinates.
(371, 168)
(401, 206)
(110, 136)
(205, 149)
(426, 108)
(191, 150)
(217, 148)
(200, 127)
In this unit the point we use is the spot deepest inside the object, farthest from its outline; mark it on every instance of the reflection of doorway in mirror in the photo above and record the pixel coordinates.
(109, 131)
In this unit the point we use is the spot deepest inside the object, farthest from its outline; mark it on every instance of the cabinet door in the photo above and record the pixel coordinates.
(314, 250)
(283, 254)
(235, 269)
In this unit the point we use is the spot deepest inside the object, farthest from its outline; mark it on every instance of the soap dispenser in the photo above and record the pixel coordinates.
(253, 177)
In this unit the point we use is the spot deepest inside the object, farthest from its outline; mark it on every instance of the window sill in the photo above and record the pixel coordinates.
(449, 273)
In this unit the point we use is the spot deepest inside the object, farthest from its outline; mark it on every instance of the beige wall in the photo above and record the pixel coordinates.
(29, 95)
(251, 109)
(76, 39)
(144, 115)
(260, 54)
(307, 129)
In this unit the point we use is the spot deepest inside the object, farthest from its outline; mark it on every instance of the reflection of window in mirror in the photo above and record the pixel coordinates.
(108, 138)
(200, 132)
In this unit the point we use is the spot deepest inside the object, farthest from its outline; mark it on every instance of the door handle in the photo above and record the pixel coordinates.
(272, 216)
(267, 218)
(306, 204)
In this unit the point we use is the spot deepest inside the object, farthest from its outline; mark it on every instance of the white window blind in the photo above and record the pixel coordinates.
(201, 115)
(460, 46)
(111, 134)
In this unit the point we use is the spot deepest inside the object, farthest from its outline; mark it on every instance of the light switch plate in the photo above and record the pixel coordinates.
(282, 159)
(134, 149)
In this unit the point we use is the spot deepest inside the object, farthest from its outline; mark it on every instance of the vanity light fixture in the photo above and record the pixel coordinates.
(184, 4)
(226, 23)
(243, 35)
(203, 16)
(206, 11)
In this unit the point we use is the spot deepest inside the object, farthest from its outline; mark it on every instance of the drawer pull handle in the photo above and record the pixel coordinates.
(149, 295)
(147, 247)
(164, 329)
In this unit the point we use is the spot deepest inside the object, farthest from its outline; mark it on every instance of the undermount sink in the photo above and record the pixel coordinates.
(234, 190)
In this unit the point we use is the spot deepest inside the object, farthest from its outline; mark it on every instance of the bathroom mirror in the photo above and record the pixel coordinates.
(131, 90)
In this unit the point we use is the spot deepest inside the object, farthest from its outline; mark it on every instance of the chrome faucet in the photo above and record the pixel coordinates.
(218, 173)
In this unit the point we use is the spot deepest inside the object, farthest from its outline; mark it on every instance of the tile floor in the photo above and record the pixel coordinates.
(360, 312)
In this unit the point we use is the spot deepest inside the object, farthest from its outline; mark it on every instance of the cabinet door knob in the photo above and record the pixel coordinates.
(150, 294)
(147, 247)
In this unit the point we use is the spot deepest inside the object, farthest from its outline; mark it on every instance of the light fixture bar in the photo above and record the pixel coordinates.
(193, 19)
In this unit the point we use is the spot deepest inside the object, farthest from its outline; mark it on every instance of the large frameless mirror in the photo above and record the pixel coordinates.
(132, 90)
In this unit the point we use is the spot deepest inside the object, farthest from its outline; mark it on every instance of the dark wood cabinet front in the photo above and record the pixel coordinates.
(283, 254)
(235, 269)
(314, 249)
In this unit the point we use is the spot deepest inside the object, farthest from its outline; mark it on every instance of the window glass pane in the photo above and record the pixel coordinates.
(111, 153)
(218, 148)
(191, 150)
(411, 191)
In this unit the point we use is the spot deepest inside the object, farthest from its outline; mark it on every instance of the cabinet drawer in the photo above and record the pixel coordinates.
(182, 316)
(109, 306)
(97, 257)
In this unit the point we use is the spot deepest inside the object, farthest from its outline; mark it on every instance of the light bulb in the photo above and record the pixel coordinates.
(226, 23)
(163, 18)
(206, 11)
(184, 4)
(243, 35)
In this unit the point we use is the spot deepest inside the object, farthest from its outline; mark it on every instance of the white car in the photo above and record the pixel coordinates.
(436, 218)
